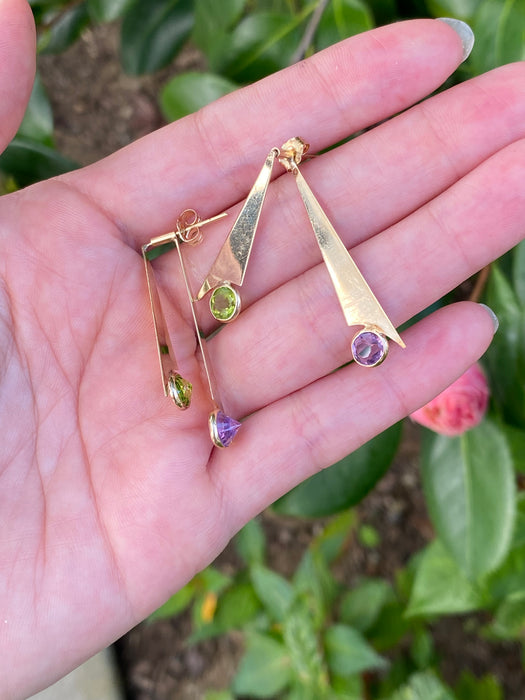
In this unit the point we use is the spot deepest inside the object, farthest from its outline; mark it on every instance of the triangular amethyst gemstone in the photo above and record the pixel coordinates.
(227, 428)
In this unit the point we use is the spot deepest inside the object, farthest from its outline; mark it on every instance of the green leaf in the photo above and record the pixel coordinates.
(250, 543)
(330, 542)
(274, 591)
(261, 44)
(218, 695)
(518, 537)
(515, 438)
(29, 162)
(510, 577)
(389, 628)
(509, 620)
(264, 670)
(237, 606)
(423, 686)
(499, 26)
(316, 583)
(461, 9)
(518, 272)
(345, 483)
(422, 650)
(176, 604)
(469, 488)
(341, 19)
(361, 607)
(440, 587)
(37, 124)
(505, 358)
(153, 32)
(107, 10)
(65, 30)
(213, 18)
(471, 688)
(349, 653)
(302, 643)
(188, 92)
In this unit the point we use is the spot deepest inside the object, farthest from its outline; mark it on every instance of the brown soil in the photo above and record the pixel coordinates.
(97, 110)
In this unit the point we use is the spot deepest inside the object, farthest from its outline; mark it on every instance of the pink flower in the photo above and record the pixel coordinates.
(460, 407)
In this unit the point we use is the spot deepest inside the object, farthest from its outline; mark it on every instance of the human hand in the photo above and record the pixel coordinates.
(110, 498)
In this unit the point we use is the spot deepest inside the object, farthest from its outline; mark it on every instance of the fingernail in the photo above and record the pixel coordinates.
(495, 320)
(464, 32)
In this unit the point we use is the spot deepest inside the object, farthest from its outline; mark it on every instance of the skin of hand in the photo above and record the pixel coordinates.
(110, 498)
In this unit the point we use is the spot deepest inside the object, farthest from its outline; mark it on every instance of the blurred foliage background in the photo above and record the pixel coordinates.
(313, 637)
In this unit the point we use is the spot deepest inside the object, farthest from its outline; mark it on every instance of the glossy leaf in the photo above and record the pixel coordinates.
(498, 26)
(349, 653)
(361, 606)
(261, 44)
(250, 543)
(65, 30)
(188, 92)
(153, 32)
(461, 9)
(341, 19)
(345, 483)
(470, 492)
(29, 162)
(107, 10)
(37, 124)
(505, 358)
(213, 18)
(264, 670)
(423, 686)
(440, 587)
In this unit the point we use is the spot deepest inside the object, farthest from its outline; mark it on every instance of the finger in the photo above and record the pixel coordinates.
(17, 65)
(380, 177)
(290, 440)
(209, 157)
(298, 334)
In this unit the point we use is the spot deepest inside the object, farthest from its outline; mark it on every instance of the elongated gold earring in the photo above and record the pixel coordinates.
(230, 265)
(360, 306)
(222, 428)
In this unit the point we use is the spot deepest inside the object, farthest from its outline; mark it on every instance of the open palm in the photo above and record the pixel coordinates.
(110, 498)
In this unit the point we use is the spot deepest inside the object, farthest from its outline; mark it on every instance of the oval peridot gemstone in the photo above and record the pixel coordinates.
(224, 303)
(179, 389)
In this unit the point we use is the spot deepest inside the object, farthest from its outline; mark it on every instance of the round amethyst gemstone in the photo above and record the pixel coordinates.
(369, 348)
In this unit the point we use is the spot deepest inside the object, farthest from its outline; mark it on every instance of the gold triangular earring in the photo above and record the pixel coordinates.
(359, 305)
(230, 265)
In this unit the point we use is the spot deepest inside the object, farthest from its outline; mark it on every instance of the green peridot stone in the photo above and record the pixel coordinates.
(179, 390)
(225, 303)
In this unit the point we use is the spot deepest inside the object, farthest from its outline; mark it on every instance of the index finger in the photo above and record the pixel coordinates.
(206, 160)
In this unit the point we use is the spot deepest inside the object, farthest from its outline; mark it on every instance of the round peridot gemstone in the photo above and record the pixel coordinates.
(225, 303)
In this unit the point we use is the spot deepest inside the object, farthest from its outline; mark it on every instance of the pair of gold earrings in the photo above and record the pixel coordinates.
(369, 346)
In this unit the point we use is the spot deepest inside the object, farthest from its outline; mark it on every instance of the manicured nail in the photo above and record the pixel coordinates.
(464, 32)
(492, 315)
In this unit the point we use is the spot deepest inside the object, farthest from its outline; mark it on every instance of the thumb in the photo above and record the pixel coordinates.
(17, 65)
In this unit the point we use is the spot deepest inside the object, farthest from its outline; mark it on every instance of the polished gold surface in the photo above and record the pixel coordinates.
(187, 231)
(357, 300)
(232, 260)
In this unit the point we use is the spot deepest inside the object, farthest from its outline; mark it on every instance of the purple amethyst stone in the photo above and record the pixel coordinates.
(369, 348)
(226, 428)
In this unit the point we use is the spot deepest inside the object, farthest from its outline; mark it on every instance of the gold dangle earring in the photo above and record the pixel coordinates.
(230, 265)
(222, 428)
(360, 306)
